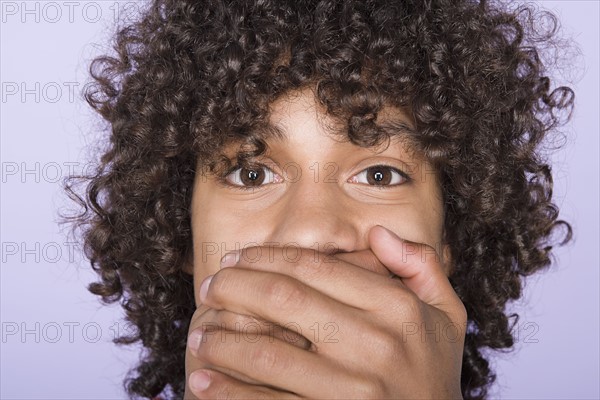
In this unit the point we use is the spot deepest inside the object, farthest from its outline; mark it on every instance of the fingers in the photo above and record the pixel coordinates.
(276, 298)
(272, 361)
(210, 384)
(355, 279)
(222, 322)
(192, 363)
(233, 326)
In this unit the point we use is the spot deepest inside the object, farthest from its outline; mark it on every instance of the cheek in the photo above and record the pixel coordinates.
(217, 230)
(212, 239)
(207, 234)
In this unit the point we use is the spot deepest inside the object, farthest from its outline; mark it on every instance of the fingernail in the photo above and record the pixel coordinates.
(199, 380)
(194, 341)
(204, 288)
(230, 259)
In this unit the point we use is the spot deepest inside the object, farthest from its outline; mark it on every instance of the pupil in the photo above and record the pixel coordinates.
(252, 177)
(379, 176)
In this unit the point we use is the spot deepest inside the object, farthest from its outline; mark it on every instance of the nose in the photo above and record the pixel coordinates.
(317, 216)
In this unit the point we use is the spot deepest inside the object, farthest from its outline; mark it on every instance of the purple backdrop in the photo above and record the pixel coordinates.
(56, 337)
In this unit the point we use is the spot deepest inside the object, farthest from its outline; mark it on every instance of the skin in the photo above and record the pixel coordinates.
(353, 270)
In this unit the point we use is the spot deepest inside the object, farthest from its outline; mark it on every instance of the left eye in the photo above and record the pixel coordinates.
(253, 176)
(380, 175)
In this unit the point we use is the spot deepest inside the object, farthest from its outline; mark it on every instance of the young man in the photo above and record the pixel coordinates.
(290, 130)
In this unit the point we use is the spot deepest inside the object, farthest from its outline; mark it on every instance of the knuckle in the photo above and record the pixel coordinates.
(384, 343)
(410, 306)
(286, 294)
(267, 358)
(368, 388)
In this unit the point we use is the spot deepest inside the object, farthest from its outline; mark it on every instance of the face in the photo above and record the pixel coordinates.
(313, 190)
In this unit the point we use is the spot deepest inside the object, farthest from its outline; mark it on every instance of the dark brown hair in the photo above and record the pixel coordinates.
(188, 76)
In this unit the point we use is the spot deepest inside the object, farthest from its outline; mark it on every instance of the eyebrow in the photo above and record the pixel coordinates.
(395, 128)
(398, 128)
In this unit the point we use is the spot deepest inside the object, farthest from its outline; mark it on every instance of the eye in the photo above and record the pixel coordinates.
(380, 175)
(251, 176)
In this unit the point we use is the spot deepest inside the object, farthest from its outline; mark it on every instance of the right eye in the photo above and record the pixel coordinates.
(251, 176)
(383, 176)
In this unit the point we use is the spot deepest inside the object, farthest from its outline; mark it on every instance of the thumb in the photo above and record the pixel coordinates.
(416, 264)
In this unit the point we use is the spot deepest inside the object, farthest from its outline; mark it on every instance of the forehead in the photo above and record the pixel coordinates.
(297, 119)
(298, 115)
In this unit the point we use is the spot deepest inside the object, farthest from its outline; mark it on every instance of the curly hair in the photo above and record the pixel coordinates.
(189, 76)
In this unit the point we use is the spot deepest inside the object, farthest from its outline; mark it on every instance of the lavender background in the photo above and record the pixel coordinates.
(56, 337)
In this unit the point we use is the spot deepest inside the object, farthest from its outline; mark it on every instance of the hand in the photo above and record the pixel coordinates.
(213, 321)
(394, 338)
